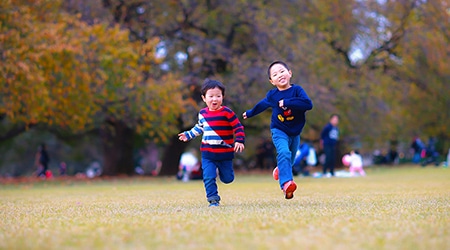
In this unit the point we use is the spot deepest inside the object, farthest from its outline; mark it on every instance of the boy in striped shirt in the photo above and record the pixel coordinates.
(223, 134)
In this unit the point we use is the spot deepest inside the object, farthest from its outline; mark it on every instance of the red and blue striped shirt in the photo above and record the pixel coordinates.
(220, 129)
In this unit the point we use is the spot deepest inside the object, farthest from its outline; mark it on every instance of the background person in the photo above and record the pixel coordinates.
(417, 146)
(328, 141)
(188, 165)
(42, 160)
(356, 164)
(431, 155)
(301, 164)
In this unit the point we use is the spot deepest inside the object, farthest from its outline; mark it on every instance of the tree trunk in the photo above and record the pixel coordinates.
(171, 156)
(117, 143)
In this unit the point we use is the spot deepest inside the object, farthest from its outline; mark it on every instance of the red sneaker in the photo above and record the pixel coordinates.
(275, 173)
(288, 189)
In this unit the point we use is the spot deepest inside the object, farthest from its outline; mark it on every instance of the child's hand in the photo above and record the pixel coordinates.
(238, 147)
(244, 115)
(182, 137)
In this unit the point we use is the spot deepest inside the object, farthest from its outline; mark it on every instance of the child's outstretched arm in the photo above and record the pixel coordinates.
(259, 107)
(197, 130)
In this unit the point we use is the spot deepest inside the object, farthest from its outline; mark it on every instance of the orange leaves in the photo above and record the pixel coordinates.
(23, 67)
(62, 72)
(38, 65)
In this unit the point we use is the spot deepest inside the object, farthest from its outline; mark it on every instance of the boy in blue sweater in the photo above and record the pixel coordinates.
(289, 104)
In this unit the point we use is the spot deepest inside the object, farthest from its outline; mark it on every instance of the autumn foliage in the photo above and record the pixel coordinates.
(78, 66)
(63, 72)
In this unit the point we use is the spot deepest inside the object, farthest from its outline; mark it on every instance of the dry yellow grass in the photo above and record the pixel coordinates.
(391, 208)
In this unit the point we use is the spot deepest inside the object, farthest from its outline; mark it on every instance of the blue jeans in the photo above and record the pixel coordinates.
(286, 149)
(226, 175)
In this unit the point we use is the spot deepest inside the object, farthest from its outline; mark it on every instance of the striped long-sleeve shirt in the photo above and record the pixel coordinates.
(220, 129)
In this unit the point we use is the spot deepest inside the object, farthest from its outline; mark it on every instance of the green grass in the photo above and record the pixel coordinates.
(391, 208)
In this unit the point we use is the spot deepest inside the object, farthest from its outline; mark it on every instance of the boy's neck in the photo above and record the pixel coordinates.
(288, 87)
(215, 109)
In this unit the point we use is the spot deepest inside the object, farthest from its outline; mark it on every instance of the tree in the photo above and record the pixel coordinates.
(373, 62)
(235, 40)
(74, 77)
(425, 63)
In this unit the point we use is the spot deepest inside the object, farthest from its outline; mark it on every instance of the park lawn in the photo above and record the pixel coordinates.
(391, 208)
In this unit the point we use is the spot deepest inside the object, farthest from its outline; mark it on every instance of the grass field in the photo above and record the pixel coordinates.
(391, 208)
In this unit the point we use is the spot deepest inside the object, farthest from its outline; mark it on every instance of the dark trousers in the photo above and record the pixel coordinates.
(43, 169)
(330, 159)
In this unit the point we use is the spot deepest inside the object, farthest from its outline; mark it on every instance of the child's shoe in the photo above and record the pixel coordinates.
(214, 203)
(275, 173)
(288, 189)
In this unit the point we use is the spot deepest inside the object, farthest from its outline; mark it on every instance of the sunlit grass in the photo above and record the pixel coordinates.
(391, 208)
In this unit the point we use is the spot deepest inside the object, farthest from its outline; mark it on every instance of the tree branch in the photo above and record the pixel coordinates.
(15, 131)
(342, 52)
(390, 44)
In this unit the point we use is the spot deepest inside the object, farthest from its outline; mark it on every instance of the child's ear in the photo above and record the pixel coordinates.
(203, 98)
(271, 82)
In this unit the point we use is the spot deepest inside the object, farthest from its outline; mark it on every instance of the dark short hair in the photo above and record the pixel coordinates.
(276, 62)
(333, 115)
(212, 84)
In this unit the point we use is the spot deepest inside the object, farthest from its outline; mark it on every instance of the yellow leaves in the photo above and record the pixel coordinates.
(62, 72)
(23, 67)
(102, 76)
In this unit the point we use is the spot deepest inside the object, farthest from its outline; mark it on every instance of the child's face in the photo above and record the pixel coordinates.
(280, 76)
(334, 120)
(213, 99)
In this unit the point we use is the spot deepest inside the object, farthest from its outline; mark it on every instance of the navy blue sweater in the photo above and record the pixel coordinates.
(289, 119)
(329, 135)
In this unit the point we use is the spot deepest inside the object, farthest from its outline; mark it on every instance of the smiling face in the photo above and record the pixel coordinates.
(280, 76)
(213, 99)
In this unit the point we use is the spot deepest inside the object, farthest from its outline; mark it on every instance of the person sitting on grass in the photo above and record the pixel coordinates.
(356, 164)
